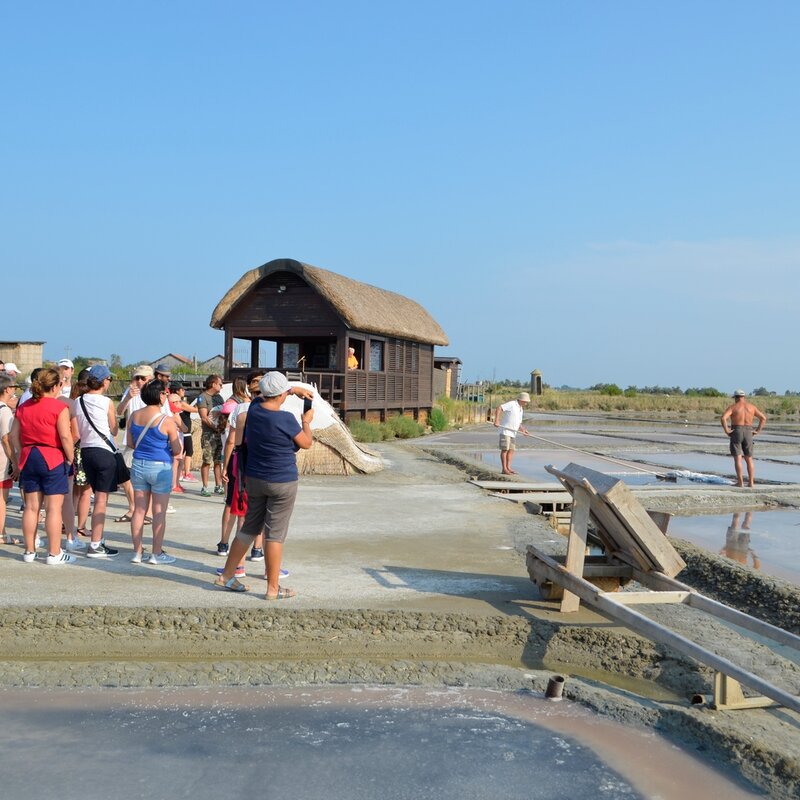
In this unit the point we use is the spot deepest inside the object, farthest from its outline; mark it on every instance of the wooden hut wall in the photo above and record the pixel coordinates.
(406, 382)
(299, 310)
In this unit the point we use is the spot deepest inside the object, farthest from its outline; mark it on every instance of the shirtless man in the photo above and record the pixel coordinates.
(737, 422)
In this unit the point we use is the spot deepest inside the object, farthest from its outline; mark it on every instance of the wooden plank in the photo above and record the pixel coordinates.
(540, 498)
(576, 544)
(658, 581)
(635, 598)
(664, 556)
(518, 486)
(630, 513)
(661, 519)
(658, 633)
(606, 521)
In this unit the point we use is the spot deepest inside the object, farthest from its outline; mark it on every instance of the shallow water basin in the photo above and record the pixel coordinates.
(335, 743)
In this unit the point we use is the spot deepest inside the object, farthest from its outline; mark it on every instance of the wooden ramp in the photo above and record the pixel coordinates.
(548, 498)
(636, 548)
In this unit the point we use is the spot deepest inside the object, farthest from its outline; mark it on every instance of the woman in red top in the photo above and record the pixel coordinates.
(42, 440)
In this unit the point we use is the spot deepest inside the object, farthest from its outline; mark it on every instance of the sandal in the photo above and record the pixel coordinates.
(232, 585)
(283, 594)
(126, 517)
(148, 520)
(82, 531)
(9, 539)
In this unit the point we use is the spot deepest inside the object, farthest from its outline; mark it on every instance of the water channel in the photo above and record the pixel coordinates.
(340, 743)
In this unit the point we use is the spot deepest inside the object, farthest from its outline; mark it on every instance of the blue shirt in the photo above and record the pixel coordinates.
(270, 444)
(155, 444)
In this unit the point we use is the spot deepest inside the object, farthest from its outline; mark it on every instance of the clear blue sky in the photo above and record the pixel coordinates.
(605, 191)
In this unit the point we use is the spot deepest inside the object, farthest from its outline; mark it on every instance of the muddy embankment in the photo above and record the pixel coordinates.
(119, 647)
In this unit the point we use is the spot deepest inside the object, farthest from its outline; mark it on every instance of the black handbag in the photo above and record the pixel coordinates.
(123, 473)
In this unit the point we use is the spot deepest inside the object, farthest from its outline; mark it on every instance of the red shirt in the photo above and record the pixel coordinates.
(37, 428)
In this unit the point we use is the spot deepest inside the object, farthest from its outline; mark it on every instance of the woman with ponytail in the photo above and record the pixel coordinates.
(42, 441)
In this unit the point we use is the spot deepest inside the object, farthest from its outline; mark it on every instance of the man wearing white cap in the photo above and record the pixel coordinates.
(737, 422)
(66, 369)
(11, 369)
(508, 417)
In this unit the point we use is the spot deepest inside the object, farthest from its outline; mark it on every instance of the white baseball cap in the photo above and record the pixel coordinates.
(273, 384)
(12, 367)
(65, 362)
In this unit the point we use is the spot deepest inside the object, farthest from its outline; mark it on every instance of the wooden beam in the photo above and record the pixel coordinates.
(728, 695)
(702, 603)
(634, 598)
(576, 544)
(658, 633)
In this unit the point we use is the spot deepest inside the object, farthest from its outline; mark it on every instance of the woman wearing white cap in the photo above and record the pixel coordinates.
(272, 437)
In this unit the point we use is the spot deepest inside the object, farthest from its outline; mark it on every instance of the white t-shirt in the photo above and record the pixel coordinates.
(97, 408)
(6, 421)
(230, 429)
(510, 418)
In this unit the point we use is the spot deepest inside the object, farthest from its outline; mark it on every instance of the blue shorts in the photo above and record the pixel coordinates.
(36, 477)
(151, 476)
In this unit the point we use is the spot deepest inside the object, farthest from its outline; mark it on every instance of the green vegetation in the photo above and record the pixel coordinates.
(398, 427)
(437, 420)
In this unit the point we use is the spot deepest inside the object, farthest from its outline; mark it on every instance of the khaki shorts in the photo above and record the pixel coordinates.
(211, 443)
(508, 442)
(269, 509)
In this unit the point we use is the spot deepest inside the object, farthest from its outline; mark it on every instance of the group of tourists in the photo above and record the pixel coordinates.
(59, 442)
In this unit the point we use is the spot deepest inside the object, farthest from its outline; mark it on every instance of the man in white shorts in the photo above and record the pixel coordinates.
(508, 417)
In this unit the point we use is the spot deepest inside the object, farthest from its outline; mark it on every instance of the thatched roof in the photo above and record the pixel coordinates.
(362, 307)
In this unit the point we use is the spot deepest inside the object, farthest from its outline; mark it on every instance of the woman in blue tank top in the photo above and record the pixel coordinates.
(154, 437)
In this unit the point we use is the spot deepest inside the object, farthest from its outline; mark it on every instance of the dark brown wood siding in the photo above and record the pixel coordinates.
(297, 311)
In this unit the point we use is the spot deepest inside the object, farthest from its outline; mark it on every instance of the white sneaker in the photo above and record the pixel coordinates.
(29, 558)
(61, 559)
(161, 558)
(170, 508)
(136, 558)
(76, 546)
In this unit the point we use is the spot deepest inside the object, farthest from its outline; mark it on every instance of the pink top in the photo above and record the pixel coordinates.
(37, 428)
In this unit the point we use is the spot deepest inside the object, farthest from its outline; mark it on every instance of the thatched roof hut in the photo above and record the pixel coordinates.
(361, 306)
(313, 316)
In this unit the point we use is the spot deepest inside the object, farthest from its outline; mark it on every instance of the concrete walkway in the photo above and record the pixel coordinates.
(415, 536)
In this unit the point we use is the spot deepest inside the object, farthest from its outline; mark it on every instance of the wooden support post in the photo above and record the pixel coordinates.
(576, 544)
(728, 695)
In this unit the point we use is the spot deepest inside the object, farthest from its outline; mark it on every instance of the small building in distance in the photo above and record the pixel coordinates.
(446, 376)
(26, 355)
(212, 366)
(172, 361)
(301, 320)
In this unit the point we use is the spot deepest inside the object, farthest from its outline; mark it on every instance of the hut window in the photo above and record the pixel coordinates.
(242, 350)
(290, 354)
(376, 356)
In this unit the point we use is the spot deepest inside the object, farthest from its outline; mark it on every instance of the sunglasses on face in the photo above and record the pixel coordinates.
(139, 378)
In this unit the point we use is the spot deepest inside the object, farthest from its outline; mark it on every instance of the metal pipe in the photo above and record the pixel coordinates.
(555, 687)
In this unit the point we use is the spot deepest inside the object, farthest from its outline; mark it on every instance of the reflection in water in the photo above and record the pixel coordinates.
(762, 540)
(737, 541)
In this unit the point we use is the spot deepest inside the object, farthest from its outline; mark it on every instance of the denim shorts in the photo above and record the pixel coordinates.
(36, 477)
(151, 476)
